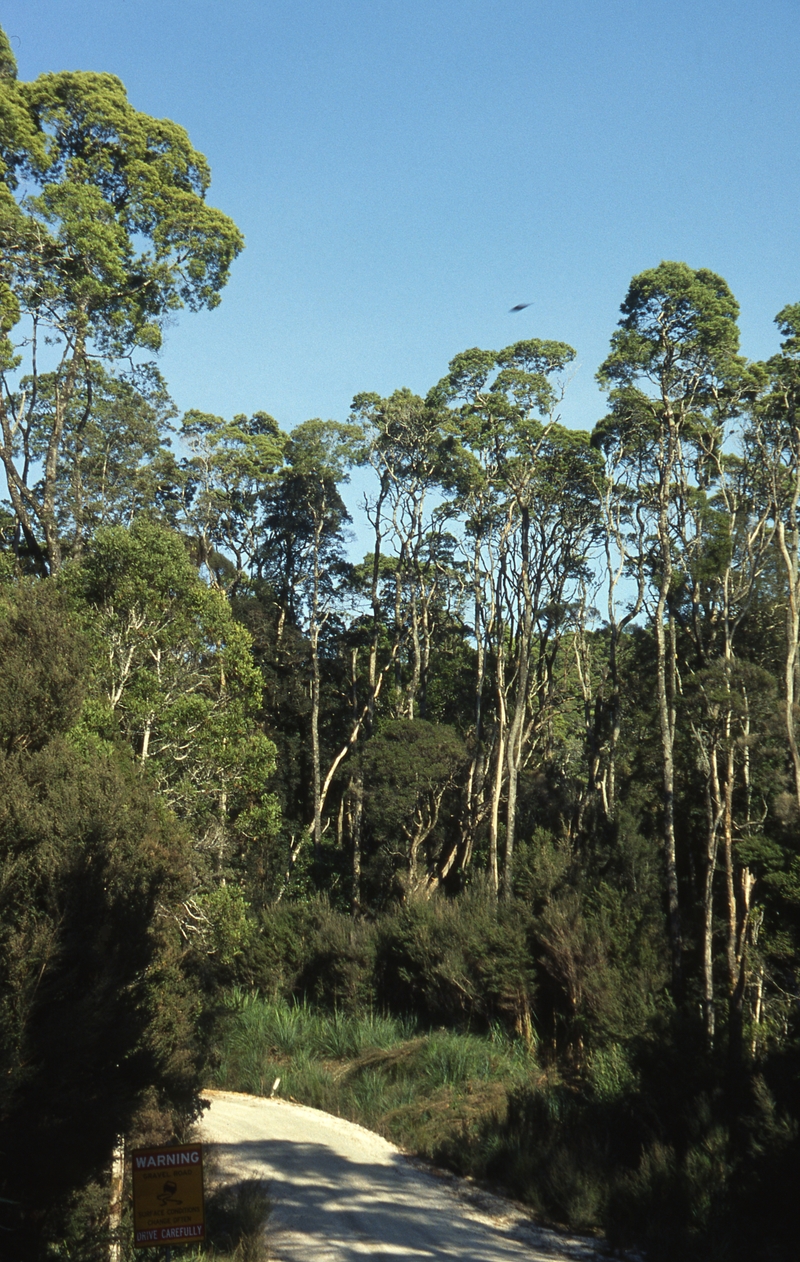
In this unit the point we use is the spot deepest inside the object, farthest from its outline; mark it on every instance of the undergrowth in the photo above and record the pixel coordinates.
(439, 1093)
(626, 1140)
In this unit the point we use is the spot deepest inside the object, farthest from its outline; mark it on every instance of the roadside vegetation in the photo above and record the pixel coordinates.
(417, 1089)
(633, 1130)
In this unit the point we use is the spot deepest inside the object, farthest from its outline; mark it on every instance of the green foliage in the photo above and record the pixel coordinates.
(678, 328)
(229, 932)
(229, 472)
(175, 676)
(115, 459)
(338, 961)
(110, 180)
(94, 1005)
(409, 768)
(301, 552)
(8, 62)
(463, 962)
(106, 233)
(43, 654)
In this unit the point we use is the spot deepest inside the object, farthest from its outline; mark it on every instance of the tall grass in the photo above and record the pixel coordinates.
(580, 1152)
(265, 1039)
(480, 1104)
(426, 1090)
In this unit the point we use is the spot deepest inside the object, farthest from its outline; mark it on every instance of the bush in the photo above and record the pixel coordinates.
(338, 971)
(236, 1217)
(463, 962)
(309, 949)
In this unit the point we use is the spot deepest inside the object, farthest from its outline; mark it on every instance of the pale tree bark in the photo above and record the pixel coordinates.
(789, 548)
(674, 373)
(474, 806)
(775, 439)
(115, 1200)
(37, 507)
(319, 615)
(666, 683)
(725, 602)
(708, 754)
(499, 767)
(623, 552)
(516, 729)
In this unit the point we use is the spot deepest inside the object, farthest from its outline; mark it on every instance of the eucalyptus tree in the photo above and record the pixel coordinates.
(774, 439)
(675, 378)
(721, 534)
(526, 490)
(116, 459)
(174, 678)
(105, 234)
(404, 579)
(302, 558)
(228, 474)
(739, 526)
(623, 570)
(411, 454)
(772, 445)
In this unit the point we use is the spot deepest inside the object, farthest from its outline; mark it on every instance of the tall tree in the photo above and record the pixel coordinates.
(774, 438)
(174, 677)
(674, 374)
(528, 498)
(116, 459)
(105, 234)
(229, 471)
(411, 453)
(302, 558)
(405, 575)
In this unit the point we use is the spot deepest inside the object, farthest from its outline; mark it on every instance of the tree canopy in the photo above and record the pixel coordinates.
(105, 234)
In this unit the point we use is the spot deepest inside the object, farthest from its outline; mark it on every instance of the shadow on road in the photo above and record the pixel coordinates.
(355, 1209)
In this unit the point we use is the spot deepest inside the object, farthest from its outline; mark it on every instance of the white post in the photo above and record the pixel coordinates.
(115, 1202)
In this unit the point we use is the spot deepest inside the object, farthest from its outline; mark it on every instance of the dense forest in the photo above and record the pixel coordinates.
(531, 765)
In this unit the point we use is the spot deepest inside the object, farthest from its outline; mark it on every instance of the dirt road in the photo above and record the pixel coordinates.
(342, 1194)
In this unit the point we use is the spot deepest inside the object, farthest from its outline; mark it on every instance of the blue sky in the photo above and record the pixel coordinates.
(405, 172)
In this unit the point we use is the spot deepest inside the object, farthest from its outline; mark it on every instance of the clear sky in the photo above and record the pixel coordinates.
(405, 171)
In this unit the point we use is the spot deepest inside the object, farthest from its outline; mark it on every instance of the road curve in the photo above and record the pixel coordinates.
(343, 1194)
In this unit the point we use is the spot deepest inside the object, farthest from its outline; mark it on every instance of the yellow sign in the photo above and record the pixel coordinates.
(168, 1196)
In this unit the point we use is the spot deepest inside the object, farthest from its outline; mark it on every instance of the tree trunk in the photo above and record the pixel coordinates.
(115, 1200)
(714, 815)
(499, 768)
(356, 795)
(665, 693)
(516, 731)
(789, 552)
(315, 753)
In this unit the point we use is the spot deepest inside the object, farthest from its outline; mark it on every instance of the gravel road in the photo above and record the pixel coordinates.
(343, 1194)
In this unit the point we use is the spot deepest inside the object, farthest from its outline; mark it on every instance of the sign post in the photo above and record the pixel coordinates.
(168, 1206)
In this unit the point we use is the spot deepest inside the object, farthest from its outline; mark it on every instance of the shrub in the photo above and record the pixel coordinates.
(463, 962)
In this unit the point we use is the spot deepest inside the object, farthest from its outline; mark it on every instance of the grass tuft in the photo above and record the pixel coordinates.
(437, 1093)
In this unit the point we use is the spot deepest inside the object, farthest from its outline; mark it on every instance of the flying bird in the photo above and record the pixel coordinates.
(520, 307)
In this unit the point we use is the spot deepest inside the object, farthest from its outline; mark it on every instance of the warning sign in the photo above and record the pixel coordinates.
(168, 1195)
